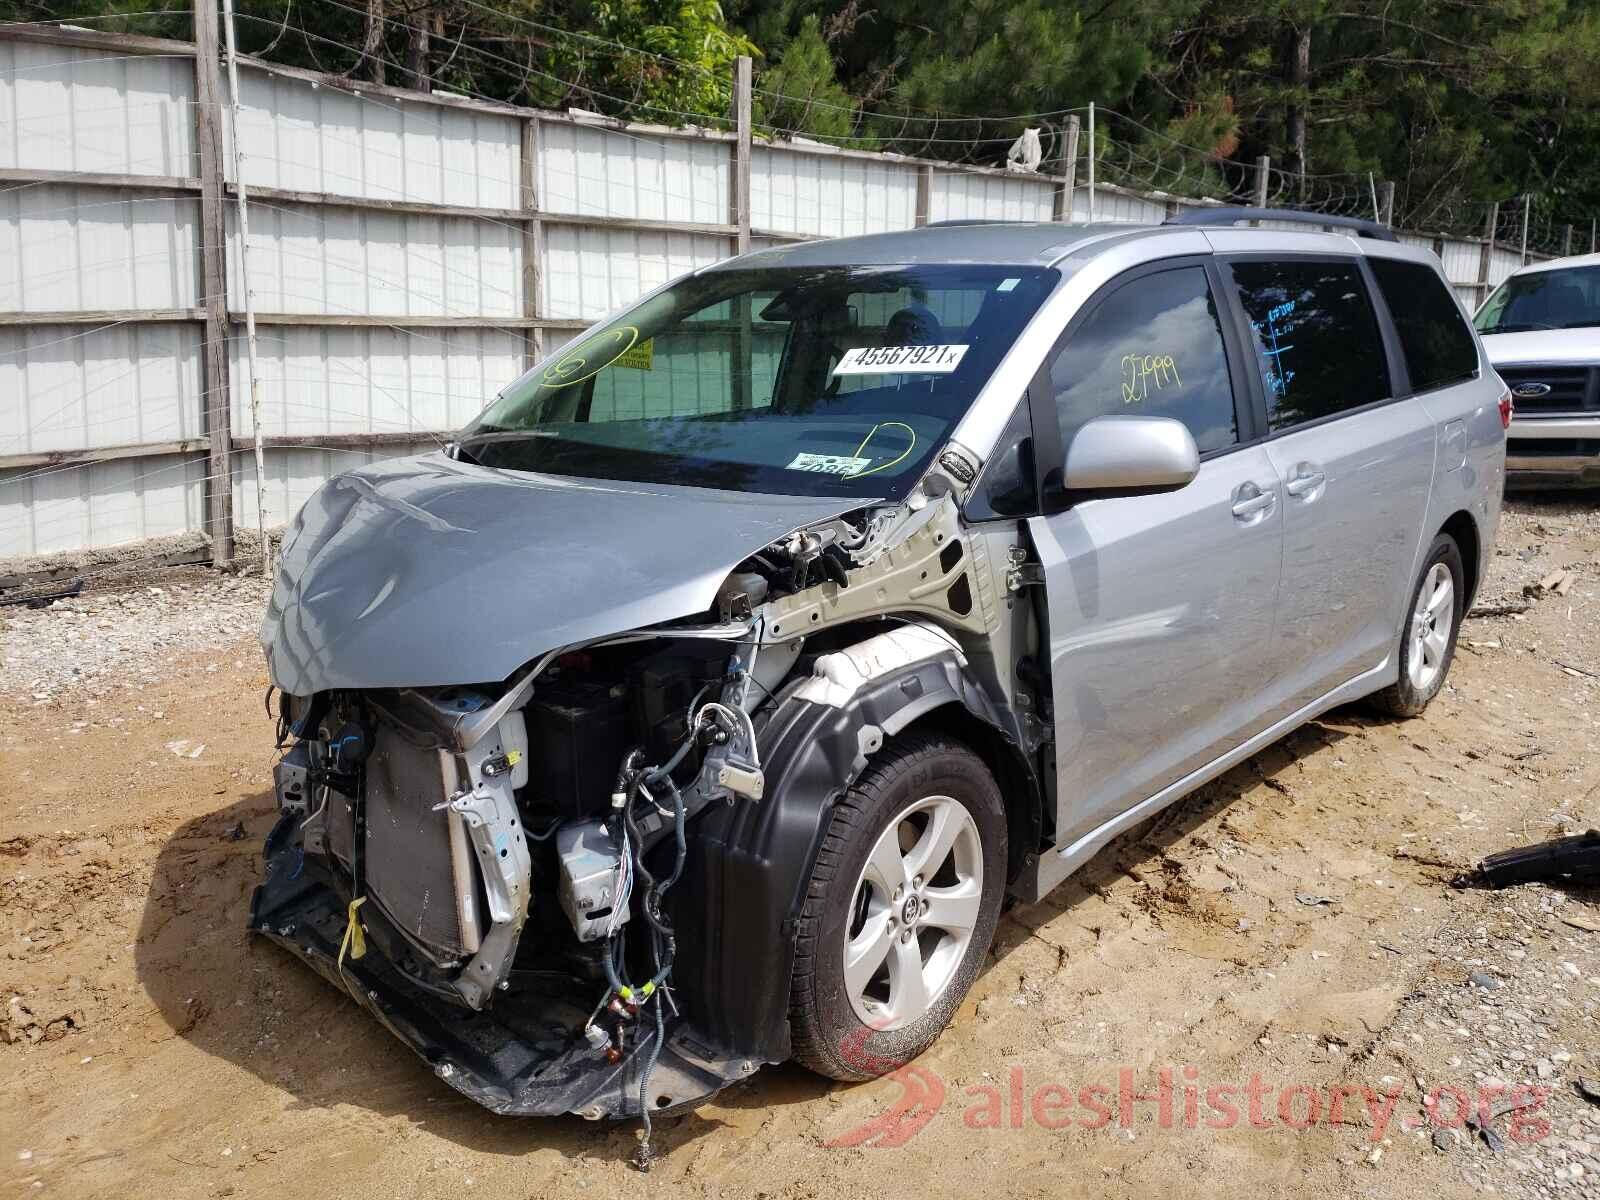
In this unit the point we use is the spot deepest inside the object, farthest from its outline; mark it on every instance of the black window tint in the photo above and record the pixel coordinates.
(1316, 338)
(1151, 348)
(1433, 334)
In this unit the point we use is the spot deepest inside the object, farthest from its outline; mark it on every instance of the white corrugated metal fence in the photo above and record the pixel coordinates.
(410, 254)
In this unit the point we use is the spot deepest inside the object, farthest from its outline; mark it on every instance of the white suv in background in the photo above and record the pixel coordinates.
(1541, 329)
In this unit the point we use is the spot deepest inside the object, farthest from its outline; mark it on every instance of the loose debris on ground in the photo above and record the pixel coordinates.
(1295, 922)
(100, 641)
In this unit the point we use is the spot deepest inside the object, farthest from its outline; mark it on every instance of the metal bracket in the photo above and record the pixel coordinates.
(489, 813)
(1021, 573)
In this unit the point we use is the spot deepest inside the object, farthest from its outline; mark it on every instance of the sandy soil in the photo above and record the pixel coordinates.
(1292, 923)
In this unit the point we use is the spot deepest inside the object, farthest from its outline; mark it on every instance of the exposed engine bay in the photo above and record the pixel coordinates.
(523, 879)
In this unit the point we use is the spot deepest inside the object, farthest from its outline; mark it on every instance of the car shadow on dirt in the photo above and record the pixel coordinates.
(241, 999)
(1137, 847)
(1150, 840)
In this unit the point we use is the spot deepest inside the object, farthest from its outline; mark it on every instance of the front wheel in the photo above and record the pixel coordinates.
(1428, 641)
(901, 908)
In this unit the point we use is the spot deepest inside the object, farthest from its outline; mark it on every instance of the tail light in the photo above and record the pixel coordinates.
(1506, 409)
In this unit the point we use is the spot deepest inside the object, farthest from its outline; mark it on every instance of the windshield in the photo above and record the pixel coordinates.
(811, 381)
(1564, 299)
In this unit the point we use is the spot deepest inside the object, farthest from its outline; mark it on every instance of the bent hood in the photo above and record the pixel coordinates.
(423, 572)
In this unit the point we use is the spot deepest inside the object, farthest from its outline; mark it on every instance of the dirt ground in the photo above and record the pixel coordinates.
(1286, 936)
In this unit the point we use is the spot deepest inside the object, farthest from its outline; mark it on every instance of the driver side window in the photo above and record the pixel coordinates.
(1152, 347)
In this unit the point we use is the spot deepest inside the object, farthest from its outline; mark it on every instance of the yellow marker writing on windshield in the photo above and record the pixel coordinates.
(573, 366)
(901, 457)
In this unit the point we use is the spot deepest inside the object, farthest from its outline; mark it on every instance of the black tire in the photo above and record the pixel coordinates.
(1404, 698)
(828, 1035)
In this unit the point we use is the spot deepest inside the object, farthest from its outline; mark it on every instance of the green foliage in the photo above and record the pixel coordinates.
(1184, 159)
(1457, 102)
(801, 92)
(692, 32)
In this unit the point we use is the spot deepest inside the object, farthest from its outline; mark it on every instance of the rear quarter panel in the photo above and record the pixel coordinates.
(1471, 466)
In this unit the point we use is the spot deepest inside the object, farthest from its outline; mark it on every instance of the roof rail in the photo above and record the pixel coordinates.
(1232, 214)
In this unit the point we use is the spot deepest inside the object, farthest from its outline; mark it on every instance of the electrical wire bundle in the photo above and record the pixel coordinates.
(635, 784)
(638, 785)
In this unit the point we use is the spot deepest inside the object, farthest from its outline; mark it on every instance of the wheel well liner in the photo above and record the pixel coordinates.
(749, 861)
(1464, 529)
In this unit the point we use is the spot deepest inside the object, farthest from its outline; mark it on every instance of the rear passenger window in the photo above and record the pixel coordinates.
(1316, 338)
(1153, 347)
(1433, 334)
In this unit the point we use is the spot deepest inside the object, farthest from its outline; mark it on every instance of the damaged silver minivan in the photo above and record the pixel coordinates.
(701, 705)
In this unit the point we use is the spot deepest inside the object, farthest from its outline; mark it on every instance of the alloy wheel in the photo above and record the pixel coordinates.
(915, 906)
(1431, 622)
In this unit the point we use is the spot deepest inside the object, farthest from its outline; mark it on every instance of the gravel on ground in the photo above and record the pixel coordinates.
(1293, 923)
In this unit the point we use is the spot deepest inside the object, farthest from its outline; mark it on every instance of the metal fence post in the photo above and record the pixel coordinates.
(1527, 211)
(1386, 201)
(216, 410)
(532, 241)
(924, 193)
(241, 193)
(1093, 152)
(1263, 169)
(744, 340)
(1069, 173)
(1486, 252)
(1566, 244)
(741, 152)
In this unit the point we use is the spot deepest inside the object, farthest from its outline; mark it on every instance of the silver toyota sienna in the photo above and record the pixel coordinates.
(703, 702)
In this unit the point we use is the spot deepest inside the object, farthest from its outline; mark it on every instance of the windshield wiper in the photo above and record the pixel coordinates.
(457, 447)
(504, 435)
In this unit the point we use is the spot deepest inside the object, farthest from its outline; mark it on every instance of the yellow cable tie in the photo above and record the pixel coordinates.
(647, 988)
(513, 757)
(355, 938)
(625, 992)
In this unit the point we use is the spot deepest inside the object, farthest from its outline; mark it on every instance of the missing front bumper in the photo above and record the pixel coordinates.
(526, 1056)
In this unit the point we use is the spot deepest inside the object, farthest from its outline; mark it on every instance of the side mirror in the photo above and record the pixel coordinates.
(1130, 455)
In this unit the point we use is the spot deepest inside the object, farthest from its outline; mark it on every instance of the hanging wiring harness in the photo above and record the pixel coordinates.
(651, 788)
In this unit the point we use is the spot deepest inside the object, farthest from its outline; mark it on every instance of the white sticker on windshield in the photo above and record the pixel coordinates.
(830, 464)
(900, 360)
(1007, 284)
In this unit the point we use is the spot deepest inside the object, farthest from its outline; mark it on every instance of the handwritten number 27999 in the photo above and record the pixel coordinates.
(1140, 372)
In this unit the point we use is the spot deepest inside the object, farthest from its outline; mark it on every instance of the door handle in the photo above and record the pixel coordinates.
(1307, 478)
(1250, 502)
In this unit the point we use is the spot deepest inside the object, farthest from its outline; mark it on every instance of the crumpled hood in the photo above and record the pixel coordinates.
(422, 572)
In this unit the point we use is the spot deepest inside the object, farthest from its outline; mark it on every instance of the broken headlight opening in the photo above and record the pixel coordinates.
(510, 854)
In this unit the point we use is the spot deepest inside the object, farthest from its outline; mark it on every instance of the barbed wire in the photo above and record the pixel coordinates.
(1128, 155)
(88, 18)
(570, 87)
(1137, 157)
